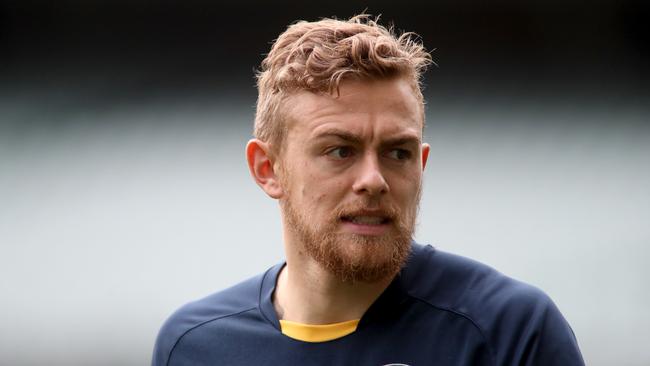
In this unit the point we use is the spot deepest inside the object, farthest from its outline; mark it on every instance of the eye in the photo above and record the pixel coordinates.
(341, 152)
(399, 154)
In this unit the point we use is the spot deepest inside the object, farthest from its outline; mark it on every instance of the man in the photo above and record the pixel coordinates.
(339, 144)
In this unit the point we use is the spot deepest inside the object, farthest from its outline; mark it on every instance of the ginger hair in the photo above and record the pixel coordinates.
(317, 56)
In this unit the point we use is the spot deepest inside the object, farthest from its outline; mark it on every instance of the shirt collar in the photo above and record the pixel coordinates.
(389, 302)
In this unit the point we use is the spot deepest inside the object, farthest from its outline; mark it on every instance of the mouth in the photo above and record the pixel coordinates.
(373, 224)
(366, 220)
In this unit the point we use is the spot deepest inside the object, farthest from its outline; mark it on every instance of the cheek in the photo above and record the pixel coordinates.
(406, 186)
(325, 193)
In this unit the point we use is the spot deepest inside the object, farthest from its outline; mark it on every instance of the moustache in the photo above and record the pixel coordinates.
(387, 212)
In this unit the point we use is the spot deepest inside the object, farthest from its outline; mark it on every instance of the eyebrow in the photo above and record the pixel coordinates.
(401, 140)
(355, 139)
(343, 135)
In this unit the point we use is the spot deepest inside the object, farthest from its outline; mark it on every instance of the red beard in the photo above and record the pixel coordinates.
(353, 257)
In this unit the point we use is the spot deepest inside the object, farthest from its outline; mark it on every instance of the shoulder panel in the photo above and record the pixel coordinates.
(231, 301)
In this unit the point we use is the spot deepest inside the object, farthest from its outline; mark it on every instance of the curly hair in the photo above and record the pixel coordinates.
(317, 56)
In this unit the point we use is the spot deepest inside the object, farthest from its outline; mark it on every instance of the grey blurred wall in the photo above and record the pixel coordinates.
(124, 191)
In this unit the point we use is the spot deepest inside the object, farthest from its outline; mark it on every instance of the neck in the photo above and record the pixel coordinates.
(307, 293)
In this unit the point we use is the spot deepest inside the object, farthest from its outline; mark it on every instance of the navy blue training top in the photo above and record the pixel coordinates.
(441, 309)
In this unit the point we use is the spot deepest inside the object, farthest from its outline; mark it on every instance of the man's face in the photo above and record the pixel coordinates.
(351, 172)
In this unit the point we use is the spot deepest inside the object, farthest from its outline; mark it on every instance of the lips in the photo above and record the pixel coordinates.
(366, 219)
(366, 224)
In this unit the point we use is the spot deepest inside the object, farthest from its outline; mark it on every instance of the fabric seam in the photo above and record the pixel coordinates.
(463, 315)
(259, 298)
(201, 324)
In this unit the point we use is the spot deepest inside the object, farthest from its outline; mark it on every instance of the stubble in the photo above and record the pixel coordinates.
(354, 257)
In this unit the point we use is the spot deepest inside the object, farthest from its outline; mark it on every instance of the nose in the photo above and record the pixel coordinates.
(369, 179)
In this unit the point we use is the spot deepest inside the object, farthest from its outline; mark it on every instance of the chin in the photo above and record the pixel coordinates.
(365, 258)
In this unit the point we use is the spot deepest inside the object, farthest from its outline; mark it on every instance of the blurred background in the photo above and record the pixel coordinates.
(124, 191)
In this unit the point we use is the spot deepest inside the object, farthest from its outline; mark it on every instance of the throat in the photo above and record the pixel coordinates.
(321, 299)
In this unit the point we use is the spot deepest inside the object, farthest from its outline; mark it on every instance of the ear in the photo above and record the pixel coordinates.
(260, 164)
(425, 154)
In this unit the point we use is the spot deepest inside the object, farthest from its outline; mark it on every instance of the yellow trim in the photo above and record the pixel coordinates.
(317, 333)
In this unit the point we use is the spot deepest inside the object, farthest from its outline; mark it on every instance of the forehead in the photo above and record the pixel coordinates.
(377, 106)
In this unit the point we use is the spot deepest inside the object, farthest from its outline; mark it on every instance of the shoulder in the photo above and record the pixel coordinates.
(514, 317)
(230, 302)
(465, 285)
